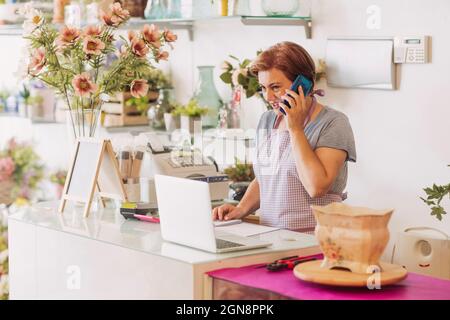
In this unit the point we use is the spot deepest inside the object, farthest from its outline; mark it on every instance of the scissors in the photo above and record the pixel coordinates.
(287, 263)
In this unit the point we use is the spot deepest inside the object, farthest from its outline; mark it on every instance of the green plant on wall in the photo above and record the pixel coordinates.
(435, 195)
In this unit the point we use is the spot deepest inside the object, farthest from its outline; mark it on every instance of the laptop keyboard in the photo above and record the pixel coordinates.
(223, 244)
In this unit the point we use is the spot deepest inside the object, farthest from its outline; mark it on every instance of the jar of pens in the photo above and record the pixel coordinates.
(130, 162)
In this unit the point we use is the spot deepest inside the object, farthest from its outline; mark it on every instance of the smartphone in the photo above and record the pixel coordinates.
(299, 81)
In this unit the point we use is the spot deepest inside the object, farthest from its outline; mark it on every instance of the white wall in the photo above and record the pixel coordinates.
(402, 136)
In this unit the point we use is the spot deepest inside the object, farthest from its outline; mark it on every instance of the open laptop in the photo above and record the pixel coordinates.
(184, 207)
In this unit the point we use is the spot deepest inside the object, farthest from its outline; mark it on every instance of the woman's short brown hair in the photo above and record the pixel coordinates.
(289, 57)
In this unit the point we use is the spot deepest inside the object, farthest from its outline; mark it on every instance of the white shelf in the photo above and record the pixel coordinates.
(189, 24)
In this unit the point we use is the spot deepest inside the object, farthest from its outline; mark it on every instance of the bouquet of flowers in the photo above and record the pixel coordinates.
(77, 63)
(240, 75)
(20, 164)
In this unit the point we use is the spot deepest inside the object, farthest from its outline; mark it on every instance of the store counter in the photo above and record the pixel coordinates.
(104, 256)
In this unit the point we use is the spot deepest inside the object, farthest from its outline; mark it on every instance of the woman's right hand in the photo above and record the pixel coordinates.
(227, 212)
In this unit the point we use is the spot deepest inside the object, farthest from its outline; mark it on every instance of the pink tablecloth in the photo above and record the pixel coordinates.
(414, 287)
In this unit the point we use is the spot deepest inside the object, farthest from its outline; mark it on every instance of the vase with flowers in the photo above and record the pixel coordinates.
(190, 115)
(77, 63)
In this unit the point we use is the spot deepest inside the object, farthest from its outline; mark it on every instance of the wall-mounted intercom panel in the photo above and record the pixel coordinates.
(413, 49)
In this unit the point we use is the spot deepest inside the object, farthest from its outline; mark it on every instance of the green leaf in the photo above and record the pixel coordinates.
(226, 77)
(233, 57)
(245, 63)
(438, 212)
(242, 80)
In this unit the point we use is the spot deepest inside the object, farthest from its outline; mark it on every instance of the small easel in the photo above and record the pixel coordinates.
(94, 166)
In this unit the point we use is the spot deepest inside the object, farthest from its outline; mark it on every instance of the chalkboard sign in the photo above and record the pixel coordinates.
(93, 167)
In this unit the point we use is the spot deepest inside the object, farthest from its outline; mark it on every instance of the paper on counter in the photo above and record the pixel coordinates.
(222, 223)
(245, 229)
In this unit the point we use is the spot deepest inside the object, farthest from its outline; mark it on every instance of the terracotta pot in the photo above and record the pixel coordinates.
(353, 238)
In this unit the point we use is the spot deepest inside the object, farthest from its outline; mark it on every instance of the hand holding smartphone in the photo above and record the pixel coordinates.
(306, 85)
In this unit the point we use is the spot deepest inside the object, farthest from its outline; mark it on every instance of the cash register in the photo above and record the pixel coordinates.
(182, 163)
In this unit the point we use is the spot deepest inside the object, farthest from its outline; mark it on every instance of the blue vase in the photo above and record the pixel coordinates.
(207, 96)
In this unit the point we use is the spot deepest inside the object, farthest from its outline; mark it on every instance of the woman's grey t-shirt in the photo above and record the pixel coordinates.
(330, 129)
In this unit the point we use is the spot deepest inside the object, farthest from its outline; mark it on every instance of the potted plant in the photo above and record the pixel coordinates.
(25, 96)
(34, 107)
(172, 117)
(190, 114)
(435, 195)
(241, 174)
(137, 104)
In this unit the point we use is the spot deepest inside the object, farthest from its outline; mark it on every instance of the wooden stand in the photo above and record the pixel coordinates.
(94, 166)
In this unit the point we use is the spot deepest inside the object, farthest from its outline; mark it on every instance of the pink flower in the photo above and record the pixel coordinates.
(83, 85)
(92, 31)
(37, 61)
(110, 20)
(169, 36)
(7, 168)
(152, 35)
(93, 46)
(163, 55)
(68, 35)
(117, 15)
(132, 35)
(139, 88)
(139, 48)
(118, 12)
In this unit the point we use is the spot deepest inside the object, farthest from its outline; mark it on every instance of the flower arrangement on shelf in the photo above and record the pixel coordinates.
(435, 195)
(76, 63)
(20, 171)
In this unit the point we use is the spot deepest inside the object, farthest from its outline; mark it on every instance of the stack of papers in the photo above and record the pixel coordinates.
(245, 229)
(222, 223)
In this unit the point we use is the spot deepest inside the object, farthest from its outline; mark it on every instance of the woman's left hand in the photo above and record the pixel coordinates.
(296, 115)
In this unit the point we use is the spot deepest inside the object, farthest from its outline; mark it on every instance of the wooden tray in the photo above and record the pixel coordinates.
(312, 272)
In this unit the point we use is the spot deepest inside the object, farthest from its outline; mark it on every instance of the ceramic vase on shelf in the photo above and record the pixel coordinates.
(135, 7)
(207, 96)
(155, 9)
(58, 10)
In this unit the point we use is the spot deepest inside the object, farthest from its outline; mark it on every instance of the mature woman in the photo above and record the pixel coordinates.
(301, 156)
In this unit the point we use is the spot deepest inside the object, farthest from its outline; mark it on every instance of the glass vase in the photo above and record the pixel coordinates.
(157, 109)
(207, 96)
(277, 8)
(155, 9)
(83, 123)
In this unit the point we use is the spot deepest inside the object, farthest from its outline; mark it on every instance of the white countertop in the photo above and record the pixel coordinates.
(108, 225)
